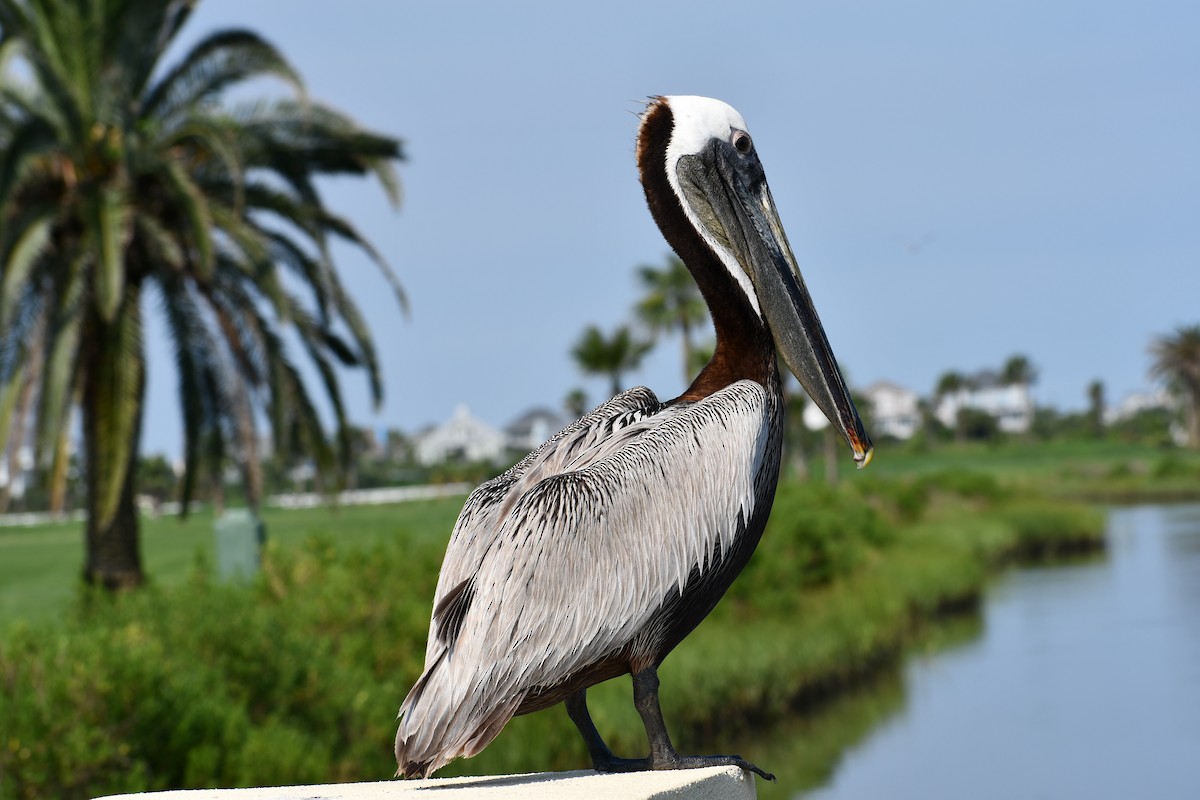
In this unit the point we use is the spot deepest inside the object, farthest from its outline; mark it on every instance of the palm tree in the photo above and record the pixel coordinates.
(1018, 370)
(612, 356)
(949, 383)
(576, 403)
(672, 302)
(126, 186)
(1095, 415)
(1177, 363)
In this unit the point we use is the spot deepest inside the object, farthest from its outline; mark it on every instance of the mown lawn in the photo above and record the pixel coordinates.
(40, 565)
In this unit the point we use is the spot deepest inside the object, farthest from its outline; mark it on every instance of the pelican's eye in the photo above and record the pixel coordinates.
(741, 142)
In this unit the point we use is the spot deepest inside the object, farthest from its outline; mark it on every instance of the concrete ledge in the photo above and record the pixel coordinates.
(715, 783)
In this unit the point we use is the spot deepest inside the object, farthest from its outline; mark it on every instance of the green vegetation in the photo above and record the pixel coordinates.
(296, 677)
(1107, 471)
(673, 302)
(610, 356)
(1176, 360)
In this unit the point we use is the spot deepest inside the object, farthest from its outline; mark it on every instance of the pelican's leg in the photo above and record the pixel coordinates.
(662, 752)
(603, 759)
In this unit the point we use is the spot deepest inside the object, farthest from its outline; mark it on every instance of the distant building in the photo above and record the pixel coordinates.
(1010, 404)
(463, 438)
(895, 410)
(1137, 402)
(1158, 399)
(532, 428)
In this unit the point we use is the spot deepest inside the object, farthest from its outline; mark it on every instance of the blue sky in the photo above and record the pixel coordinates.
(959, 181)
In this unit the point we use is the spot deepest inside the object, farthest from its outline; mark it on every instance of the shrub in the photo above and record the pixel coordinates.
(1049, 530)
(969, 485)
(816, 534)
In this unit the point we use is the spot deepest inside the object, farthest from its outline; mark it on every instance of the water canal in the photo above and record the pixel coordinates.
(1075, 681)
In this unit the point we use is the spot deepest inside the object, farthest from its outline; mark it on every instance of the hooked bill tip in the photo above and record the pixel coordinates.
(861, 458)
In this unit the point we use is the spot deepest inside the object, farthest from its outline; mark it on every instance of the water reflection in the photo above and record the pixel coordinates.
(1085, 682)
(804, 752)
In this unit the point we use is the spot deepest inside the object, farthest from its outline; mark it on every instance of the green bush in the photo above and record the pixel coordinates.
(1048, 530)
(294, 679)
(967, 484)
(816, 534)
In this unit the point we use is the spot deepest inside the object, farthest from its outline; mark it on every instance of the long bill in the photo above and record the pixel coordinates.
(743, 217)
(797, 329)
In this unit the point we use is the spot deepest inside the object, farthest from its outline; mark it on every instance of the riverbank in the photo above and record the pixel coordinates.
(296, 678)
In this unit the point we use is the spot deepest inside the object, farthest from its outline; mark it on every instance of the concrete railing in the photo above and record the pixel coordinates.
(715, 783)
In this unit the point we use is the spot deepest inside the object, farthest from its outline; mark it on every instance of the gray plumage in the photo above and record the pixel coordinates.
(573, 552)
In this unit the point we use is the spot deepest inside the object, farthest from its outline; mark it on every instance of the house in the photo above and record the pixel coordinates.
(1010, 404)
(894, 410)
(531, 429)
(462, 438)
(1137, 402)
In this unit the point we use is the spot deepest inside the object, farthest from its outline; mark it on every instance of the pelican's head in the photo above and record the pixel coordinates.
(713, 171)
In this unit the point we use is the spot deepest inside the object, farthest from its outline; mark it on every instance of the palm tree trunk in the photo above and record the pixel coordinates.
(114, 558)
(113, 553)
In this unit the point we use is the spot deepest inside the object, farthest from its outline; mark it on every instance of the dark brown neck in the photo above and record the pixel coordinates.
(744, 348)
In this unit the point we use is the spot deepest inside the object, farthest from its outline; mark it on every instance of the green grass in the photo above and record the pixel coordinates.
(40, 565)
(1101, 471)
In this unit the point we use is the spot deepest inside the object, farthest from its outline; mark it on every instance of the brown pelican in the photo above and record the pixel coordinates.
(600, 551)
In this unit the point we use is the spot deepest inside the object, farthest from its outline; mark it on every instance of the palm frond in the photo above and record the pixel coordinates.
(217, 62)
(160, 243)
(346, 230)
(33, 137)
(194, 350)
(352, 317)
(210, 137)
(198, 215)
(314, 273)
(29, 247)
(137, 34)
(110, 219)
(60, 376)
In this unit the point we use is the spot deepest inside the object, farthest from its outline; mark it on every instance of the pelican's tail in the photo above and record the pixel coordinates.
(443, 719)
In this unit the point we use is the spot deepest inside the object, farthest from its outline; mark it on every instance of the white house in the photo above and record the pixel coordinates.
(1137, 402)
(1011, 405)
(894, 410)
(463, 438)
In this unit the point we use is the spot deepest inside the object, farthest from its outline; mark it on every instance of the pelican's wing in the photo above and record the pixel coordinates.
(479, 521)
(580, 563)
